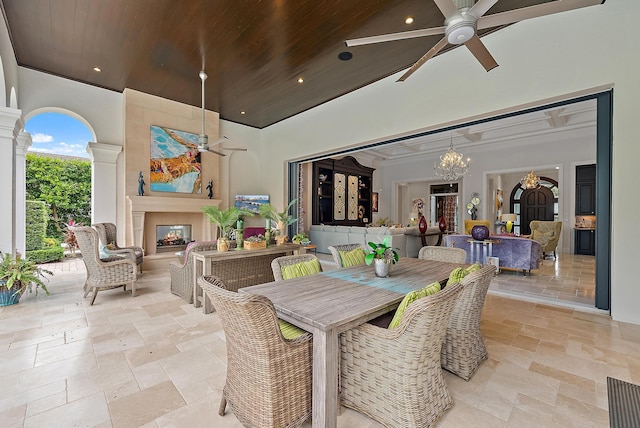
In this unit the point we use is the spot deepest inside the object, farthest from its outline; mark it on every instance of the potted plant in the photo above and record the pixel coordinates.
(282, 219)
(255, 242)
(18, 275)
(300, 238)
(224, 219)
(383, 255)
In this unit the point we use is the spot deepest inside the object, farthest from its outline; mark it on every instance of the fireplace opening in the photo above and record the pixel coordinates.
(172, 237)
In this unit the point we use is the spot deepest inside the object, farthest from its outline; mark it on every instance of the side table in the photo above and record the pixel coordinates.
(479, 251)
(310, 247)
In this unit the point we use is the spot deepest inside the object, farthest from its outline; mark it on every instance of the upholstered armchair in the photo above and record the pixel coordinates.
(109, 245)
(182, 273)
(547, 233)
(468, 225)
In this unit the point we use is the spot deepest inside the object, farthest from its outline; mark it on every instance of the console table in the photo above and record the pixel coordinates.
(423, 237)
(479, 251)
(237, 268)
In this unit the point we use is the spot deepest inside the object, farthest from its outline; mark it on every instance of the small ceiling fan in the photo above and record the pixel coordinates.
(462, 20)
(203, 139)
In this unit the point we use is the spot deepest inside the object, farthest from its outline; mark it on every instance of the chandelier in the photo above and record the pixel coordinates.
(530, 181)
(451, 167)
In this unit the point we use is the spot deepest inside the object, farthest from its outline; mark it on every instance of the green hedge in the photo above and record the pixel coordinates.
(36, 225)
(52, 254)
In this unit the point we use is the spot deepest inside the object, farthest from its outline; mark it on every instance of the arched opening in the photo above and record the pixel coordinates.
(534, 204)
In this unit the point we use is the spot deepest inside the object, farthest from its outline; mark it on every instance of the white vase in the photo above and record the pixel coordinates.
(381, 268)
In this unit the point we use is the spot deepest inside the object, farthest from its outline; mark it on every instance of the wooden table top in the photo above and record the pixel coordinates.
(243, 252)
(344, 298)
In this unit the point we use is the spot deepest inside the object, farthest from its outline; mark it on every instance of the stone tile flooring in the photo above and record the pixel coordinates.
(155, 361)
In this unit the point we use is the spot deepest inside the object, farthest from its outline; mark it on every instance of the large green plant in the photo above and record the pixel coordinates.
(22, 274)
(64, 185)
(224, 219)
(272, 213)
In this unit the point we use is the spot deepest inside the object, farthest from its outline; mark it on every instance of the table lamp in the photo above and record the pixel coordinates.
(509, 218)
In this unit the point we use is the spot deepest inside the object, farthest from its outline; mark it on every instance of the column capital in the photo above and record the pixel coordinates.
(11, 122)
(23, 142)
(103, 153)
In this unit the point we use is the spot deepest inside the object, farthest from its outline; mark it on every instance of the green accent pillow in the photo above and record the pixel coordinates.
(411, 297)
(309, 267)
(290, 331)
(353, 257)
(457, 274)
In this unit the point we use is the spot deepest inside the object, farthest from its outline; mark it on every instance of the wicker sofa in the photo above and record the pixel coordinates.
(513, 252)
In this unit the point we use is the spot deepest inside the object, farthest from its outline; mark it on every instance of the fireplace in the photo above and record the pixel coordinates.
(173, 237)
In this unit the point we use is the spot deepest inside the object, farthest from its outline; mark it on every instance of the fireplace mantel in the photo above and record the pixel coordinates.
(138, 206)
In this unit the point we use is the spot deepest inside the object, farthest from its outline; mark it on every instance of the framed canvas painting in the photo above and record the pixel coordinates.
(251, 202)
(175, 161)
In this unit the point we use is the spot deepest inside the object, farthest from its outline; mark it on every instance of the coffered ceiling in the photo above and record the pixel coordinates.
(253, 51)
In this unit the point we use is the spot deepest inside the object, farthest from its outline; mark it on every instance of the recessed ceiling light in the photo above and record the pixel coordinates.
(345, 56)
(242, 112)
(408, 20)
(97, 69)
(300, 80)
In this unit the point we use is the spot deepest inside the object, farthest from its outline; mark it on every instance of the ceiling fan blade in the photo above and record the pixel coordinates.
(543, 9)
(215, 151)
(395, 36)
(448, 8)
(434, 50)
(239, 149)
(480, 51)
(481, 8)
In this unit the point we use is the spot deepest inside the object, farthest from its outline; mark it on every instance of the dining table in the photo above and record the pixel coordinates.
(331, 302)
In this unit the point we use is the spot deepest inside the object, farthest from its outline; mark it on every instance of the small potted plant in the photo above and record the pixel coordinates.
(282, 219)
(382, 255)
(18, 275)
(300, 238)
(224, 219)
(255, 242)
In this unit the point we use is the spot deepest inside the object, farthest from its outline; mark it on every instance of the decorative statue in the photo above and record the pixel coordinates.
(140, 184)
(210, 189)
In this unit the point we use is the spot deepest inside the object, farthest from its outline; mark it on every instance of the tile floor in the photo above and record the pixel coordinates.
(155, 361)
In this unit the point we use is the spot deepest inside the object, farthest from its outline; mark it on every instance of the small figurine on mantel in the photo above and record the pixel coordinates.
(140, 184)
(210, 189)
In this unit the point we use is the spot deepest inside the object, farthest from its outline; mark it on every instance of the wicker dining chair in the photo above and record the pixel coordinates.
(108, 238)
(103, 274)
(182, 272)
(269, 378)
(463, 348)
(279, 262)
(443, 254)
(394, 376)
(335, 252)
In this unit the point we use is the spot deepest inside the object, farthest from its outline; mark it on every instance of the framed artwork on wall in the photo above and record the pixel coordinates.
(251, 202)
(175, 161)
(374, 202)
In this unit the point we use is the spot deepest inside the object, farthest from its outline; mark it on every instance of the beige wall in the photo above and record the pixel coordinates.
(140, 112)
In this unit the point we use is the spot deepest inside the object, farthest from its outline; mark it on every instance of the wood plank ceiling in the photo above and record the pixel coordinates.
(252, 50)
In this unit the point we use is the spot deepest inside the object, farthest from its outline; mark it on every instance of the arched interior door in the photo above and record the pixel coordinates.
(535, 204)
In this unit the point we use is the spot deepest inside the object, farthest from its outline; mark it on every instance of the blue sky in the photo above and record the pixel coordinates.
(58, 133)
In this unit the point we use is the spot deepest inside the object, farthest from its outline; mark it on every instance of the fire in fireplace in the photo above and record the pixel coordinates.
(172, 237)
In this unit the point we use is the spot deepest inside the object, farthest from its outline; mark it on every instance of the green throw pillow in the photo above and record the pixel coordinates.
(301, 269)
(354, 257)
(290, 331)
(457, 274)
(411, 297)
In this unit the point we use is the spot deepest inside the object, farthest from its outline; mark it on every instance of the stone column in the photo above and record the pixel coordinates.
(23, 144)
(103, 182)
(10, 124)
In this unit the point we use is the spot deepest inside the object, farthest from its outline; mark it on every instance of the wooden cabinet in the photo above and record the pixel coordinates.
(342, 192)
(586, 190)
(585, 242)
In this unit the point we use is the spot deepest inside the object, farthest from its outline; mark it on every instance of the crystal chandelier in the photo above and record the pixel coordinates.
(451, 167)
(530, 181)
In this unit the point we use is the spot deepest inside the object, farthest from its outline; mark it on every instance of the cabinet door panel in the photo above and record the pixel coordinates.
(339, 194)
(586, 199)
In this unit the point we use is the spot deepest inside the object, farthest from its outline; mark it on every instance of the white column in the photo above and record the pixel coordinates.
(103, 182)
(23, 144)
(10, 124)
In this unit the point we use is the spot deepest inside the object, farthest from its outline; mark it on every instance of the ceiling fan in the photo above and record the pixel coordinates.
(462, 20)
(203, 139)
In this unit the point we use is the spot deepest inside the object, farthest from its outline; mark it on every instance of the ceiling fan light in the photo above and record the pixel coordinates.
(458, 35)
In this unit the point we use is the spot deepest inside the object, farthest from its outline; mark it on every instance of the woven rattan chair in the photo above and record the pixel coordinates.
(182, 273)
(268, 377)
(394, 376)
(103, 274)
(278, 263)
(335, 252)
(443, 254)
(108, 237)
(463, 348)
